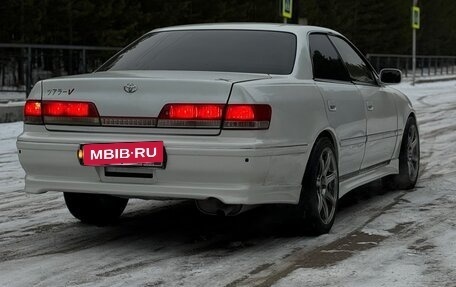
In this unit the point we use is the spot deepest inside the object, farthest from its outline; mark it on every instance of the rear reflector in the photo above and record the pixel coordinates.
(129, 122)
(237, 116)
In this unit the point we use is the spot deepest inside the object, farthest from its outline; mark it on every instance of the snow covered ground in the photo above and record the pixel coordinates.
(379, 239)
(413, 242)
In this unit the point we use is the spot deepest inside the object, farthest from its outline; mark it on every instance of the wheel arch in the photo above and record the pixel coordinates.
(325, 133)
(400, 138)
(308, 196)
(410, 115)
(331, 136)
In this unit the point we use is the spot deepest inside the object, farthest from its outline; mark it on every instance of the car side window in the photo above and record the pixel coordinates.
(326, 62)
(356, 66)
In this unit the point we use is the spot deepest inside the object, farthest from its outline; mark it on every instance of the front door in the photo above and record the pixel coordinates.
(381, 125)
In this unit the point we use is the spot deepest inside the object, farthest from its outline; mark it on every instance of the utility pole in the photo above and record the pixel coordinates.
(415, 26)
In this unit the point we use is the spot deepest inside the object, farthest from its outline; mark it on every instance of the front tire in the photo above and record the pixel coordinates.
(97, 209)
(320, 190)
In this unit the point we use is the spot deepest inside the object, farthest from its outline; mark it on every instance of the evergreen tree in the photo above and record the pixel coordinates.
(374, 26)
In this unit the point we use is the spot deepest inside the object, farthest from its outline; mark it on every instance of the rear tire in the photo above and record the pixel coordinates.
(320, 190)
(97, 209)
(409, 159)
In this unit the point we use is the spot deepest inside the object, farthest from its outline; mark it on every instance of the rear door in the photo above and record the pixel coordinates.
(343, 101)
(379, 105)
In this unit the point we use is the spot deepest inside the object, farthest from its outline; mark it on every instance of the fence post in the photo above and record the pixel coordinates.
(84, 61)
(422, 66)
(3, 75)
(406, 67)
(435, 66)
(441, 66)
(429, 66)
(28, 77)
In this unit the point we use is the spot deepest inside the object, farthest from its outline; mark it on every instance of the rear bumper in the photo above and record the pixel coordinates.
(248, 174)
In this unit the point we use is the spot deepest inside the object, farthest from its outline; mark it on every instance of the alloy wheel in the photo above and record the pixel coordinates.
(413, 152)
(327, 186)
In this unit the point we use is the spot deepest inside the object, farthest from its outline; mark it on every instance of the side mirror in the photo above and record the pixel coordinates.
(390, 76)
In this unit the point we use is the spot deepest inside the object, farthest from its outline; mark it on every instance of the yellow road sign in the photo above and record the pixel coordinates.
(287, 8)
(415, 17)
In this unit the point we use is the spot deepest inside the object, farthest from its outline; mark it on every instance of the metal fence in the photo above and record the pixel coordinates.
(425, 65)
(22, 65)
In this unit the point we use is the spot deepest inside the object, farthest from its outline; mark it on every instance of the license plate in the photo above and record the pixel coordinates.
(132, 153)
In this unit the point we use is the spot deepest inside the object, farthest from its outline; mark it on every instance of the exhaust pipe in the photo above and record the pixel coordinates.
(213, 206)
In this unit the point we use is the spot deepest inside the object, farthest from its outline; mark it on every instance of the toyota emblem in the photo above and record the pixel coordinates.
(130, 88)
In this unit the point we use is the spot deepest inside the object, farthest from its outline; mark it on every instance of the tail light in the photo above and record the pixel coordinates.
(247, 117)
(32, 112)
(61, 113)
(236, 116)
(191, 116)
(70, 113)
(233, 116)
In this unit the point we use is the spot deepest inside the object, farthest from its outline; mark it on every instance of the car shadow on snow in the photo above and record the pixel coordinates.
(177, 226)
(183, 223)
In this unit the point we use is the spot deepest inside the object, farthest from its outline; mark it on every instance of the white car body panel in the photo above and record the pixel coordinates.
(345, 112)
(234, 166)
(381, 115)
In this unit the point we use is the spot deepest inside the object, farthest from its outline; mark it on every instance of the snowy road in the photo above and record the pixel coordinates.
(393, 239)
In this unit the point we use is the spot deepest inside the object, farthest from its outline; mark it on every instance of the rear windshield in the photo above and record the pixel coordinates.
(242, 51)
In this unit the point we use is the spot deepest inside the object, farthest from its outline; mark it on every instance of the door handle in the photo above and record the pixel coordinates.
(370, 106)
(331, 106)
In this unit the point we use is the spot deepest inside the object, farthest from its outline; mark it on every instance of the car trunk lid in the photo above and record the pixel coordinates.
(142, 94)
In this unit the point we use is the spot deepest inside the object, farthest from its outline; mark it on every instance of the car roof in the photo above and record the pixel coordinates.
(250, 26)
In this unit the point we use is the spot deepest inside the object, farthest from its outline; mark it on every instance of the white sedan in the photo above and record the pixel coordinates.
(230, 115)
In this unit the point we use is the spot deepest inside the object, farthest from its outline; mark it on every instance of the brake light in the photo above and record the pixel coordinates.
(191, 116)
(210, 112)
(32, 112)
(70, 113)
(182, 111)
(193, 112)
(240, 112)
(70, 109)
(242, 116)
(234, 116)
(237, 116)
